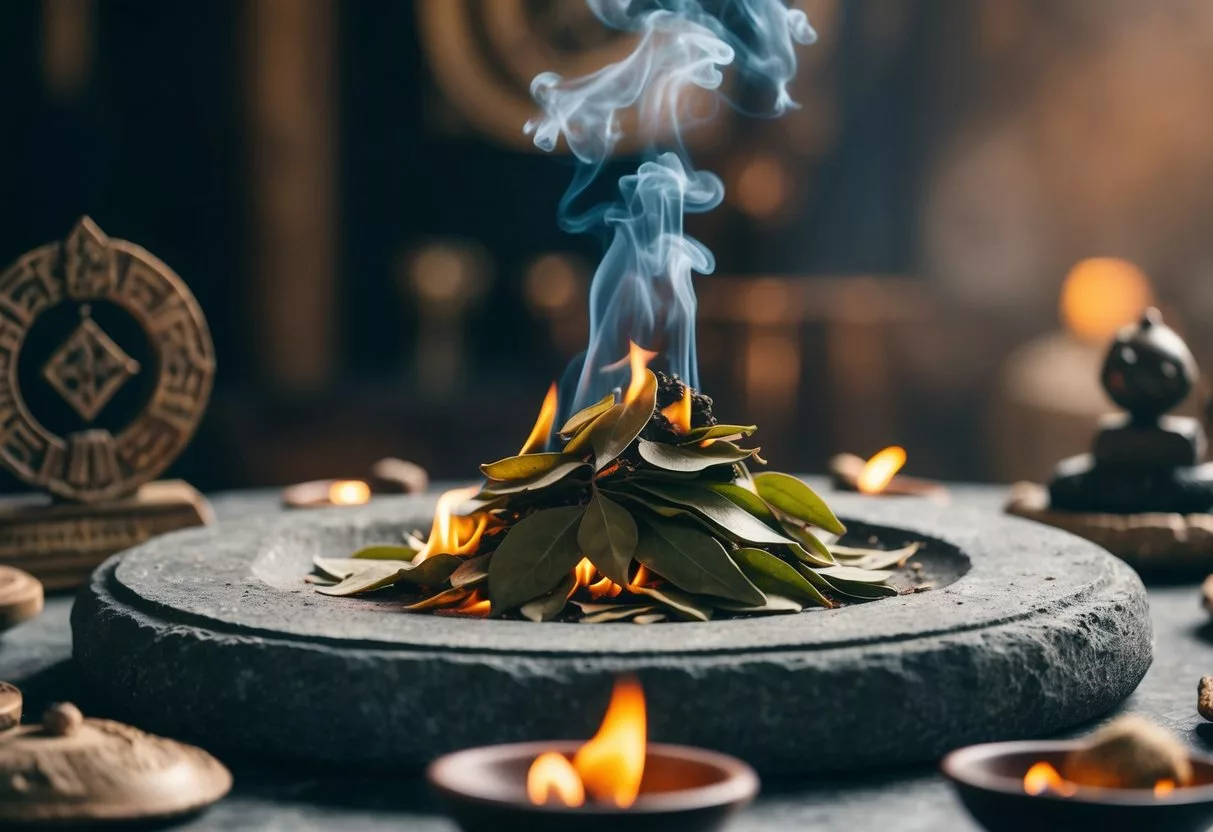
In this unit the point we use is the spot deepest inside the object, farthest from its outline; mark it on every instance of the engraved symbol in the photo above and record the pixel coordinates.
(88, 369)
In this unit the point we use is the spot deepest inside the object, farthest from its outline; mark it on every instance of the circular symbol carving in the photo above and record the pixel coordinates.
(71, 314)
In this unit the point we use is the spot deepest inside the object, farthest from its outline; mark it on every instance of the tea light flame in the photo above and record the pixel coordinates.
(1163, 788)
(880, 470)
(551, 779)
(1042, 778)
(349, 493)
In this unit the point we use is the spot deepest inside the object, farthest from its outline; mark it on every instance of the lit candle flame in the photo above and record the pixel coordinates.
(679, 413)
(543, 425)
(638, 360)
(349, 493)
(1042, 778)
(608, 767)
(880, 470)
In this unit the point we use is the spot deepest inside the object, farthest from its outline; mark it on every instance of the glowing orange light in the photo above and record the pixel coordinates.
(1163, 788)
(451, 533)
(1102, 294)
(679, 413)
(349, 493)
(605, 588)
(543, 425)
(1042, 778)
(880, 470)
(642, 576)
(584, 572)
(611, 764)
(474, 605)
(638, 360)
(552, 778)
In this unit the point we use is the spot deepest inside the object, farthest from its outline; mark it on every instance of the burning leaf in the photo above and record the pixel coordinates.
(552, 604)
(791, 496)
(536, 554)
(775, 604)
(772, 574)
(538, 483)
(582, 418)
(607, 536)
(682, 458)
(385, 552)
(377, 574)
(446, 598)
(717, 432)
(693, 561)
(875, 558)
(618, 428)
(683, 605)
(526, 466)
(471, 572)
(618, 612)
(720, 511)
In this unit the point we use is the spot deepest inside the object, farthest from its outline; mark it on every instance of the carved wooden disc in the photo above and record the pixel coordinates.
(77, 771)
(104, 421)
(11, 703)
(20, 597)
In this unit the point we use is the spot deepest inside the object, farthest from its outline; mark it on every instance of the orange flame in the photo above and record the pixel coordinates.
(679, 413)
(584, 572)
(553, 778)
(609, 767)
(1042, 778)
(600, 587)
(451, 533)
(642, 576)
(880, 470)
(543, 424)
(638, 360)
(349, 493)
(1163, 788)
(474, 605)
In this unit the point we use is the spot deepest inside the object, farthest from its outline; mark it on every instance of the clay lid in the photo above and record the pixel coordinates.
(20, 597)
(77, 770)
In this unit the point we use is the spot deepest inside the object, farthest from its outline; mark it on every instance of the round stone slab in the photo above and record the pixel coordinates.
(211, 636)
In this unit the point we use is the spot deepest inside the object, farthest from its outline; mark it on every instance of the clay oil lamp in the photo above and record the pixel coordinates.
(879, 476)
(387, 476)
(616, 780)
(1130, 775)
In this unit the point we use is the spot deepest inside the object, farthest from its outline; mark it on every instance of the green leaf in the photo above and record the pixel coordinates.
(618, 428)
(854, 574)
(435, 570)
(527, 466)
(693, 561)
(545, 480)
(583, 418)
(536, 553)
(875, 558)
(607, 536)
(552, 604)
(794, 498)
(472, 572)
(773, 575)
(720, 511)
(619, 613)
(809, 547)
(774, 604)
(385, 552)
(863, 590)
(717, 432)
(680, 458)
(746, 499)
(681, 604)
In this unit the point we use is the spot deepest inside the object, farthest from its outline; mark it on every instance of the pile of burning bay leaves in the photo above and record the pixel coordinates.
(648, 512)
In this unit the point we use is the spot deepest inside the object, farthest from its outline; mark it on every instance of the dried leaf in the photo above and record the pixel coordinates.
(370, 575)
(717, 432)
(544, 480)
(552, 604)
(855, 574)
(649, 618)
(471, 572)
(534, 556)
(584, 417)
(683, 605)
(524, 467)
(688, 458)
(693, 561)
(875, 558)
(607, 536)
(774, 575)
(618, 428)
(385, 552)
(791, 496)
(775, 604)
(619, 613)
(443, 599)
(718, 510)
(319, 580)
(863, 590)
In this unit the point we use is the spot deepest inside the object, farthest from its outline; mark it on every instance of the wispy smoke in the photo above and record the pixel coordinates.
(642, 290)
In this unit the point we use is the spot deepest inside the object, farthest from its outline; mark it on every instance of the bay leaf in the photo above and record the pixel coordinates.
(717, 432)
(875, 558)
(537, 483)
(717, 509)
(552, 604)
(385, 552)
(607, 536)
(809, 547)
(319, 580)
(472, 572)
(793, 497)
(434, 571)
(618, 428)
(772, 574)
(855, 574)
(524, 467)
(649, 618)
(619, 613)
(439, 601)
(693, 561)
(775, 604)
(582, 418)
(680, 603)
(591, 607)
(534, 556)
(863, 590)
(746, 499)
(684, 458)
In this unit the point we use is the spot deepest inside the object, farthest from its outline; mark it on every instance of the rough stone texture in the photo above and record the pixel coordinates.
(210, 636)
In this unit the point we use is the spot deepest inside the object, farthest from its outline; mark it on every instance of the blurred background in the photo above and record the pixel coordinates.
(932, 251)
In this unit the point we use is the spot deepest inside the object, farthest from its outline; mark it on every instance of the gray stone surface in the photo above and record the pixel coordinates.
(210, 636)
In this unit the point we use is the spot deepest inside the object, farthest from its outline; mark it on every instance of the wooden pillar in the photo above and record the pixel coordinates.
(292, 139)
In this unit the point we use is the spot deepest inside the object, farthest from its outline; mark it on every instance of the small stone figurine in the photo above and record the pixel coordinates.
(1144, 492)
